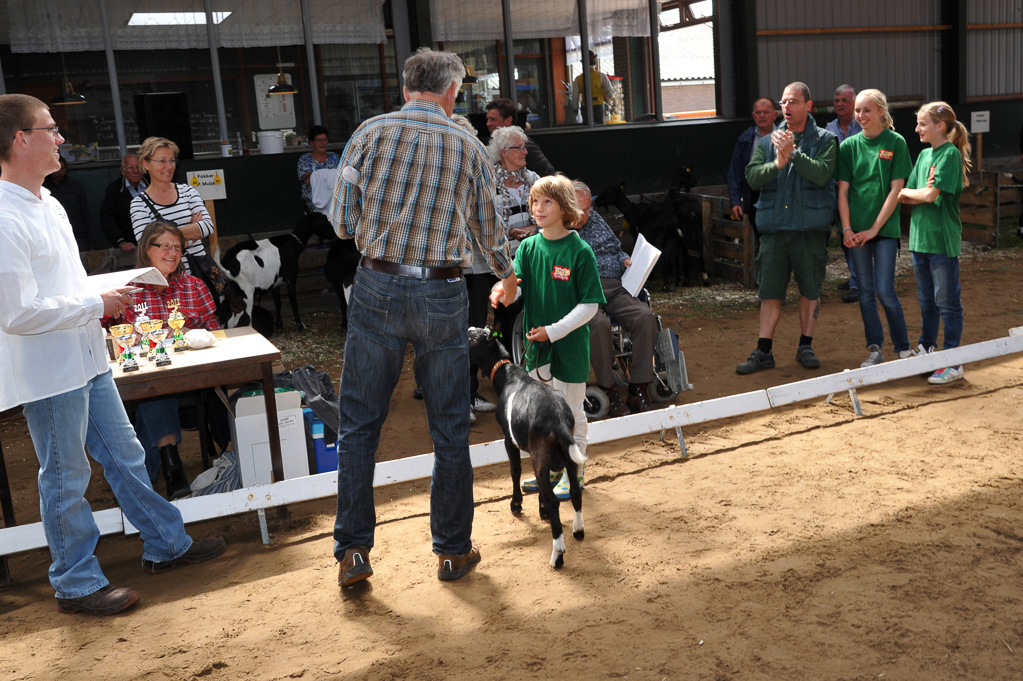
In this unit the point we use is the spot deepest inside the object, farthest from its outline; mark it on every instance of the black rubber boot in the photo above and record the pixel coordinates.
(174, 472)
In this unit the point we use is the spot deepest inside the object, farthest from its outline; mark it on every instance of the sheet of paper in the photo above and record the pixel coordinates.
(644, 257)
(109, 280)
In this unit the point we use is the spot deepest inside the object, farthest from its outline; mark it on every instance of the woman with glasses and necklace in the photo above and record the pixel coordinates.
(179, 204)
(157, 424)
(317, 159)
(507, 151)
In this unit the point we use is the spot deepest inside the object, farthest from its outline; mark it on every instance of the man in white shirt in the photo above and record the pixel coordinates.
(53, 362)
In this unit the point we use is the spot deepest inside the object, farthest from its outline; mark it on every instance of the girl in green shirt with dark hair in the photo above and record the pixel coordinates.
(935, 231)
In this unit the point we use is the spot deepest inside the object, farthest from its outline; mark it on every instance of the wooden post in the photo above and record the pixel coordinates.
(214, 242)
(980, 156)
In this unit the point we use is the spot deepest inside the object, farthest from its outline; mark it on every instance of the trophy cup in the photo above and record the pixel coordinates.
(141, 323)
(125, 336)
(176, 320)
(156, 337)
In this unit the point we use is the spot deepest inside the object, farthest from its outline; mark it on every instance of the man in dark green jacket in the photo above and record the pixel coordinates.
(792, 169)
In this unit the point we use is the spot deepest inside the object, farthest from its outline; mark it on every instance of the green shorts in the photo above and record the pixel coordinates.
(803, 255)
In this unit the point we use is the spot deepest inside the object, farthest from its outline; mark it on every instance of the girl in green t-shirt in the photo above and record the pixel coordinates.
(935, 231)
(560, 289)
(872, 169)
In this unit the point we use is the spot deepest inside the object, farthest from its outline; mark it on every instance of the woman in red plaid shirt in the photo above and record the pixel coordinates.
(156, 421)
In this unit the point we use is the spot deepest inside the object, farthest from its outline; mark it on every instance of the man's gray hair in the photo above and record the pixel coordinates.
(845, 87)
(434, 72)
(502, 138)
(582, 187)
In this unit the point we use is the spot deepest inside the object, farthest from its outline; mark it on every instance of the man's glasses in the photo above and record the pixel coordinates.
(130, 167)
(54, 130)
(790, 102)
(168, 248)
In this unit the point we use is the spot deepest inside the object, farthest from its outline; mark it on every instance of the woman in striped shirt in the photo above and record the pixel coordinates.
(165, 200)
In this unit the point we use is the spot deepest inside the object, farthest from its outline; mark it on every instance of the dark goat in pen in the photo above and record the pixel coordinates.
(534, 418)
(339, 269)
(263, 265)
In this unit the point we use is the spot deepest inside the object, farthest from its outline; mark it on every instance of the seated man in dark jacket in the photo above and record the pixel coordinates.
(500, 114)
(114, 212)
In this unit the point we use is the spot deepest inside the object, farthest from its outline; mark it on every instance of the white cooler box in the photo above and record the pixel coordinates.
(252, 440)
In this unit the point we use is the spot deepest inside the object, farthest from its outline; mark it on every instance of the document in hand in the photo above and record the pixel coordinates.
(109, 280)
(644, 257)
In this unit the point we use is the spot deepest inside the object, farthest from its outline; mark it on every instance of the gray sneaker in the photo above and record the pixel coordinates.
(875, 357)
(805, 356)
(757, 360)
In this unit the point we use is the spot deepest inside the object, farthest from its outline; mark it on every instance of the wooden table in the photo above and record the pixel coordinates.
(240, 356)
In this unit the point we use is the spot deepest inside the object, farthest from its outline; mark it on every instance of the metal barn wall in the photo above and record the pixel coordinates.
(994, 55)
(797, 41)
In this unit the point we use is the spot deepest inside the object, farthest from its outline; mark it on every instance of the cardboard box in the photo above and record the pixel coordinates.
(323, 452)
(252, 440)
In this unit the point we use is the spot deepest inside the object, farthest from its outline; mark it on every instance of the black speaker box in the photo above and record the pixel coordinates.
(165, 114)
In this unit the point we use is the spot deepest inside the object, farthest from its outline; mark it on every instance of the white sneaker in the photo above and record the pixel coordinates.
(906, 354)
(482, 405)
(947, 375)
(472, 417)
(875, 357)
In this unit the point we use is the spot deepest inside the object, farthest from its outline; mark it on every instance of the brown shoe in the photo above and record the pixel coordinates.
(200, 551)
(615, 407)
(106, 601)
(355, 566)
(454, 567)
(638, 399)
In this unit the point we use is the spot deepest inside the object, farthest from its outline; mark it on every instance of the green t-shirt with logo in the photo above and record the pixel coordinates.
(869, 164)
(556, 276)
(936, 227)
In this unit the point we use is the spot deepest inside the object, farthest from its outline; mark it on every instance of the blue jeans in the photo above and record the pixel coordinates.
(385, 313)
(937, 288)
(61, 427)
(154, 420)
(875, 278)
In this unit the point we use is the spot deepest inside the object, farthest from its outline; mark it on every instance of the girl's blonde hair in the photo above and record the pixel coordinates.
(560, 189)
(881, 102)
(940, 112)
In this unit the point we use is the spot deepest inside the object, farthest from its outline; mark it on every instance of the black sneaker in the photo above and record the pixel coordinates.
(757, 360)
(805, 356)
(199, 552)
(851, 296)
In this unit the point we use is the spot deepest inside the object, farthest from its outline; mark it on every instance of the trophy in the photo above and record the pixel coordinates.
(141, 322)
(157, 336)
(176, 320)
(125, 336)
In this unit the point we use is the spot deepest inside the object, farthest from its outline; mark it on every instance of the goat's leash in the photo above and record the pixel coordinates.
(525, 353)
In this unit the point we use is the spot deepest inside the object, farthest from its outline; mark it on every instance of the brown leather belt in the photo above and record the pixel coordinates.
(410, 271)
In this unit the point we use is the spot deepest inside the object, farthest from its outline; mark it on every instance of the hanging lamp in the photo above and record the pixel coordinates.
(68, 96)
(282, 87)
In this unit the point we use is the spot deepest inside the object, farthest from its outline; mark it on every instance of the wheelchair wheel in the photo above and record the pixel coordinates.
(596, 403)
(518, 341)
(659, 390)
(622, 369)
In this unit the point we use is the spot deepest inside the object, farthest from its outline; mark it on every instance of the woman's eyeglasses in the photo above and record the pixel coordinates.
(522, 148)
(165, 161)
(168, 248)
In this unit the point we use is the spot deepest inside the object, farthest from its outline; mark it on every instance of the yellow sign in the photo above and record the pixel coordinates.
(209, 183)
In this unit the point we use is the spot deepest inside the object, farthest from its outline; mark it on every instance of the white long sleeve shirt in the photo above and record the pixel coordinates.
(51, 340)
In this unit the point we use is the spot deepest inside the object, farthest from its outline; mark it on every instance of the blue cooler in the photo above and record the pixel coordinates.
(324, 453)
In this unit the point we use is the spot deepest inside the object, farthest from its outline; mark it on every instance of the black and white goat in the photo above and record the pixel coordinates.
(536, 419)
(339, 269)
(263, 265)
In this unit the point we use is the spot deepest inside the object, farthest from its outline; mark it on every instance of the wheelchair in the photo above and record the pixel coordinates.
(670, 375)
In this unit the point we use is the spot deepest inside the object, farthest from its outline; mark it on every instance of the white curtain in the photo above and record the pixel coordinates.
(63, 26)
(482, 19)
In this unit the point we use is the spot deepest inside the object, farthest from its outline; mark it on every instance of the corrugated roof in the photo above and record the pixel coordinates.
(687, 53)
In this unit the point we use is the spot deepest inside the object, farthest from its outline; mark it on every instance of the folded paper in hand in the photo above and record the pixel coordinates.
(644, 257)
(109, 280)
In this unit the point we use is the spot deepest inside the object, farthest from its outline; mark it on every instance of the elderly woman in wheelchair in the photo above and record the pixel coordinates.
(628, 347)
